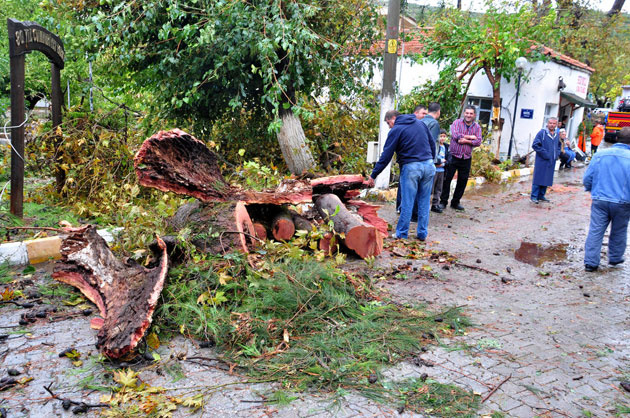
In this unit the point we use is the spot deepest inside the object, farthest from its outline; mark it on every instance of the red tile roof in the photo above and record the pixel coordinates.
(416, 45)
(557, 56)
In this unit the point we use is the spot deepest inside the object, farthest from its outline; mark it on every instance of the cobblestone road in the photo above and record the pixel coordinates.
(557, 337)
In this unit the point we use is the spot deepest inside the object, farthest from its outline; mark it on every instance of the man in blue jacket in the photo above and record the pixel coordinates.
(547, 147)
(608, 180)
(414, 146)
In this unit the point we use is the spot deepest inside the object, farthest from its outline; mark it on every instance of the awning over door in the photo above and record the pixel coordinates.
(578, 100)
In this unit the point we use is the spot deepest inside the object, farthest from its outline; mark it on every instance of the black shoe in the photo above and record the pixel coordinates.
(590, 268)
(442, 206)
(421, 239)
(458, 207)
(436, 209)
(616, 263)
(534, 200)
(544, 199)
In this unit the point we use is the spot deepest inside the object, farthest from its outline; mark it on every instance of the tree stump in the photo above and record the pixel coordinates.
(363, 239)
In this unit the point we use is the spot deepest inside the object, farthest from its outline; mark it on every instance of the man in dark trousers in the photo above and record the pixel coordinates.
(465, 135)
(411, 140)
(547, 146)
(608, 179)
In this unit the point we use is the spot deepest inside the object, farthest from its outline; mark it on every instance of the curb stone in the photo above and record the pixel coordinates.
(42, 249)
(390, 194)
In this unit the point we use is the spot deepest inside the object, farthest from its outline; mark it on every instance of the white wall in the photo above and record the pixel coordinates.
(409, 74)
(539, 86)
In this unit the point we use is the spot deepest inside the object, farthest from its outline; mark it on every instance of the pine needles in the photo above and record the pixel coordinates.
(299, 321)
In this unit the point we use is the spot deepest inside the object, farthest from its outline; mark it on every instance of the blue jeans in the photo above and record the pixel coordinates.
(602, 214)
(538, 192)
(416, 181)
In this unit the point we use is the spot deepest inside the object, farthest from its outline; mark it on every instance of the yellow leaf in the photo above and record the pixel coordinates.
(224, 278)
(153, 341)
(77, 363)
(24, 380)
(127, 378)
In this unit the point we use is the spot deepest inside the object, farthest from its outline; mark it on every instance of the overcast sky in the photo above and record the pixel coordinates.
(604, 5)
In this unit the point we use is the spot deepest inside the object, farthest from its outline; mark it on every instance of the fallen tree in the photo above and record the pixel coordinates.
(175, 161)
(125, 292)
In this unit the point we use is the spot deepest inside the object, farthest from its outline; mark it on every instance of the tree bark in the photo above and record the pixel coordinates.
(178, 162)
(616, 8)
(495, 82)
(292, 140)
(125, 293)
(365, 240)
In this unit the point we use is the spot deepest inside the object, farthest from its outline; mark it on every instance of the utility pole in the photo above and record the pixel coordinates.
(388, 94)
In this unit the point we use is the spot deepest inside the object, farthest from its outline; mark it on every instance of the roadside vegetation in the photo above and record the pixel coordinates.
(287, 313)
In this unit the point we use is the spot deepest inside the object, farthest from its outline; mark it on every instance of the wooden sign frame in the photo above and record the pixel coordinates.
(25, 37)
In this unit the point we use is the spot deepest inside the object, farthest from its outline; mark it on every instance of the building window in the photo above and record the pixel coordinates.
(484, 109)
(551, 111)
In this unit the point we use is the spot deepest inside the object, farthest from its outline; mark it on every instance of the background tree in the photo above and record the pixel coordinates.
(210, 60)
(490, 42)
(598, 39)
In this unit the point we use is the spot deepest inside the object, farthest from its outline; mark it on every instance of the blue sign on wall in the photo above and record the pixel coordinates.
(527, 113)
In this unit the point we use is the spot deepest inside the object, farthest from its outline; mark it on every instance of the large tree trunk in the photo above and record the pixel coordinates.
(178, 162)
(292, 142)
(495, 82)
(616, 7)
(125, 293)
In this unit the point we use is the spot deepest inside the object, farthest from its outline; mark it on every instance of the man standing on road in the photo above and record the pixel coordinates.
(547, 146)
(415, 150)
(430, 120)
(465, 135)
(608, 179)
(596, 136)
(390, 117)
(420, 111)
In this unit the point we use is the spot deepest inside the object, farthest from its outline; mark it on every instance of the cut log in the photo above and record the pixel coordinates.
(261, 231)
(301, 223)
(363, 239)
(217, 227)
(369, 213)
(282, 227)
(125, 293)
(325, 243)
(178, 162)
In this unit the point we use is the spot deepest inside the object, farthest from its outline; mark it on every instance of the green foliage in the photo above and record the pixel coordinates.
(490, 42)
(206, 60)
(293, 318)
(340, 130)
(253, 175)
(97, 156)
(600, 41)
(483, 165)
(438, 399)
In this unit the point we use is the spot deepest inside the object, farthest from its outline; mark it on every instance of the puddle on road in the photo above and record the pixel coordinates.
(537, 254)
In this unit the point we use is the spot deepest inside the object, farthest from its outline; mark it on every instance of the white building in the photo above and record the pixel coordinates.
(557, 87)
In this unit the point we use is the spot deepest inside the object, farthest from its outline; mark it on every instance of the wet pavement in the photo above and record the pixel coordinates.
(561, 335)
(556, 338)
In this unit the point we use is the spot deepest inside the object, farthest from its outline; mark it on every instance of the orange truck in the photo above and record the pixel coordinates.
(614, 122)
